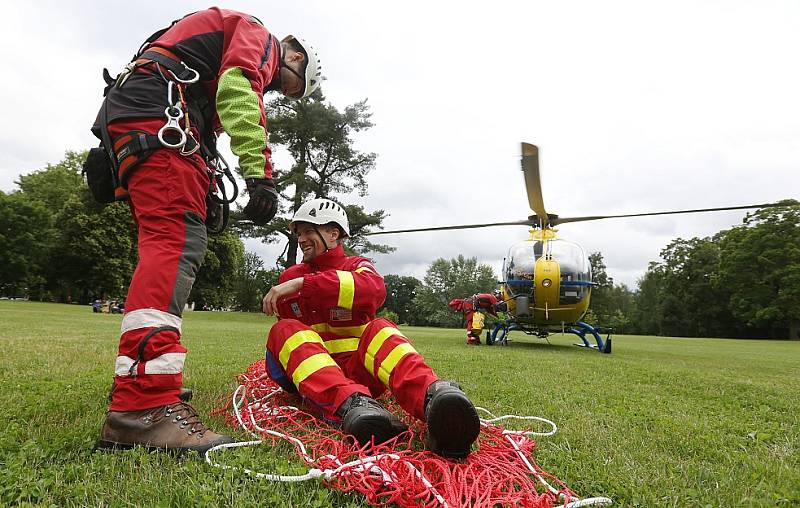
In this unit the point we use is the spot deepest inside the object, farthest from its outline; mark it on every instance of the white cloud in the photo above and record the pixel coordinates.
(636, 107)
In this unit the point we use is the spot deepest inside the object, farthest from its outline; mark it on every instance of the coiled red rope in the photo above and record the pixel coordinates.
(400, 472)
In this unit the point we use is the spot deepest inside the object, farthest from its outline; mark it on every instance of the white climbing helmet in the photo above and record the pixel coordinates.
(313, 71)
(321, 211)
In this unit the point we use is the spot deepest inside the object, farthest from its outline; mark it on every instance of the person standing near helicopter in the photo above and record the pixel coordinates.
(474, 309)
(205, 74)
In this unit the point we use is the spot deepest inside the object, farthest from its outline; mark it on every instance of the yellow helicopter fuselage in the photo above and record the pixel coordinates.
(547, 281)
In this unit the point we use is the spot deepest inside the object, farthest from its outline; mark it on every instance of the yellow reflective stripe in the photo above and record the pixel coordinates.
(391, 361)
(376, 343)
(364, 269)
(310, 365)
(352, 331)
(347, 289)
(341, 345)
(294, 342)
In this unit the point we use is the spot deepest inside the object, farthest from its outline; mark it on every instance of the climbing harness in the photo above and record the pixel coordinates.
(501, 472)
(109, 167)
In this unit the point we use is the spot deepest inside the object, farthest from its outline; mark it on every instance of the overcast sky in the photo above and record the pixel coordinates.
(636, 106)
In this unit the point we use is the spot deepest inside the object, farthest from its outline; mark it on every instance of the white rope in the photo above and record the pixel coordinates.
(365, 465)
(494, 419)
(368, 464)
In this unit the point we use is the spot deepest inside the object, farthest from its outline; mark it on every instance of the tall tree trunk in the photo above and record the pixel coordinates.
(291, 253)
(794, 328)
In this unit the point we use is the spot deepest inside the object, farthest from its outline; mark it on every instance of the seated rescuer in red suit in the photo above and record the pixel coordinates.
(329, 346)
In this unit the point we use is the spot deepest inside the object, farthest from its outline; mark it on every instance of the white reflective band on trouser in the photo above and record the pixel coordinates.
(168, 363)
(149, 318)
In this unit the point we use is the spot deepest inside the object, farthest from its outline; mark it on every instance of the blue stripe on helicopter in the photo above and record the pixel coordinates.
(526, 282)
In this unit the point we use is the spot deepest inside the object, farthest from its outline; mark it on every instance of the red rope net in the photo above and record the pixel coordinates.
(501, 471)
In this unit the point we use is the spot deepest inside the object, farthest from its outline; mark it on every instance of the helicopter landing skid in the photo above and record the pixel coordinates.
(581, 329)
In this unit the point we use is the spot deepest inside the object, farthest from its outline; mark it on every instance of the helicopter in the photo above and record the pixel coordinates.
(547, 280)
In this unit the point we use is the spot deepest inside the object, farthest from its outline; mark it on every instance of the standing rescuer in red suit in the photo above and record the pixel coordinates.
(329, 346)
(205, 74)
(473, 309)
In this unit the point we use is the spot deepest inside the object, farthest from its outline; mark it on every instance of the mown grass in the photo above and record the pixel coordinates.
(660, 422)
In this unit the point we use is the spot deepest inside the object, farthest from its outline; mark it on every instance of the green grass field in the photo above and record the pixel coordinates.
(660, 422)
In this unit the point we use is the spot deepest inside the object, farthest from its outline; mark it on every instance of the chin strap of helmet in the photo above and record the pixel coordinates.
(316, 230)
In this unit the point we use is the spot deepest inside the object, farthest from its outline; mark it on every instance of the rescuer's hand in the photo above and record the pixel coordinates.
(290, 287)
(263, 200)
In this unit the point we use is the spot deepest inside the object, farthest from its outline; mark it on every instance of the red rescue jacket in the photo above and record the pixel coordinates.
(211, 42)
(340, 294)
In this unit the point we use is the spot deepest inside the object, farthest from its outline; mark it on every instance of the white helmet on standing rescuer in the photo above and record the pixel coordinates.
(321, 211)
(312, 76)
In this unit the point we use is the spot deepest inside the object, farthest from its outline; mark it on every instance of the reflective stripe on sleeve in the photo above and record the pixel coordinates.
(363, 269)
(387, 365)
(376, 343)
(149, 318)
(295, 341)
(341, 345)
(347, 289)
(310, 365)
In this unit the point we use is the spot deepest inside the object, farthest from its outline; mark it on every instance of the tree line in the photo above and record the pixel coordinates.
(57, 244)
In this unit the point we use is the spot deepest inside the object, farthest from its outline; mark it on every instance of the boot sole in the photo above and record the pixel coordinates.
(113, 446)
(453, 424)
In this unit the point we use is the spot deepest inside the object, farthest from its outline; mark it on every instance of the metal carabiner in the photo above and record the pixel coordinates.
(193, 79)
(173, 114)
(195, 144)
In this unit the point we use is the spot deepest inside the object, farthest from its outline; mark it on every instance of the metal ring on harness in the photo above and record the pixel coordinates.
(173, 114)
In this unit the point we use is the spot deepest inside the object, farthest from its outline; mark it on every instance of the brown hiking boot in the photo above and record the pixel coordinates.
(174, 427)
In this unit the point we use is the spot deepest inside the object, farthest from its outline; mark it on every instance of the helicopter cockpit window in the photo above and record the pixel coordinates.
(576, 273)
(520, 263)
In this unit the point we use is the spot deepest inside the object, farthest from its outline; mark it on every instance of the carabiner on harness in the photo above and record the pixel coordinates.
(174, 113)
(194, 79)
(173, 126)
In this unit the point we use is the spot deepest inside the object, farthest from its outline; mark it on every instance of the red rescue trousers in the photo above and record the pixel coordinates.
(326, 372)
(167, 199)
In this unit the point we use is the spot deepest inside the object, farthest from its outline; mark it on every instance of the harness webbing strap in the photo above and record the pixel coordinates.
(168, 60)
(131, 149)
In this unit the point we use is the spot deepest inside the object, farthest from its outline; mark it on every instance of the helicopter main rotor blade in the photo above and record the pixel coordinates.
(533, 184)
(526, 222)
(564, 220)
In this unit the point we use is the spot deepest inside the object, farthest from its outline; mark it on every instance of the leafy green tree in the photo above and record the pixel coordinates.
(760, 265)
(694, 303)
(215, 285)
(88, 247)
(26, 235)
(400, 293)
(611, 304)
(319, 138)
(56, 183)
(647, 309)
(95, 248)
(457, 278)
(252, 283)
